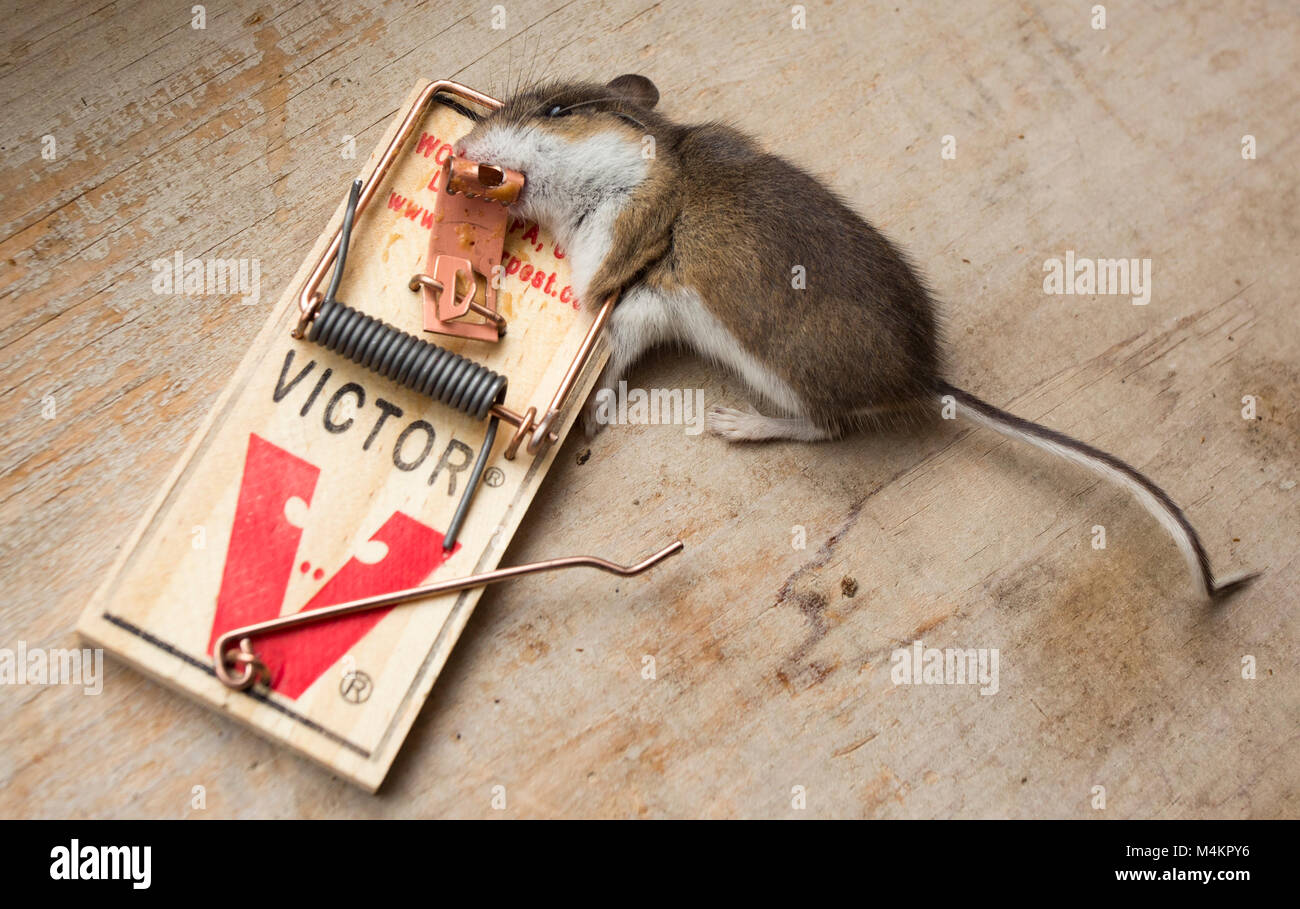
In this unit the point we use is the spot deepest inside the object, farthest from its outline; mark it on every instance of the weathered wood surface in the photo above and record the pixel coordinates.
(1122, 142)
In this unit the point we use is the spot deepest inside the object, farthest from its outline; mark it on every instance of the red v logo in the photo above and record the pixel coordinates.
(261, 556)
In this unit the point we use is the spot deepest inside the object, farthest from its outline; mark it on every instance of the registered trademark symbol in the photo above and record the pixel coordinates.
(355, 687)
(494, 477)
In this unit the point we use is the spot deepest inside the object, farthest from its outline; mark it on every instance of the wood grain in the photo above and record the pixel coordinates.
(1117, 142)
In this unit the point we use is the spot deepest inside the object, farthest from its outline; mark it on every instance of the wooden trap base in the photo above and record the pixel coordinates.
(314, 481)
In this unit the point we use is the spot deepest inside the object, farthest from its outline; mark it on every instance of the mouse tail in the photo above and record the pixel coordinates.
(1152, 497)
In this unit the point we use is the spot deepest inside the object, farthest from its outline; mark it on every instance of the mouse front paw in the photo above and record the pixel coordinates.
(732, 425)
(592, 424)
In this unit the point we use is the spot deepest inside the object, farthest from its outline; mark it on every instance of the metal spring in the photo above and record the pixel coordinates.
(423, 367)
(426, 368)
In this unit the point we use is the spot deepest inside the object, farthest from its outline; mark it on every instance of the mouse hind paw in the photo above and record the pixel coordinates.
(741, 426)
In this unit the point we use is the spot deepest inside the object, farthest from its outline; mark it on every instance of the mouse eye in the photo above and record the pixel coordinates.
(558, 110)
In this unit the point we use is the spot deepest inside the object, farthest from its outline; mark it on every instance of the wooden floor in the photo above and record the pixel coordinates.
(771, 662)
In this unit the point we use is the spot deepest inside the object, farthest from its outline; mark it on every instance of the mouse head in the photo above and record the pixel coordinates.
(578, 144)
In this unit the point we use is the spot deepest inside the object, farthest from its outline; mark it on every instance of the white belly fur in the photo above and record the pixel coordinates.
(646, 316)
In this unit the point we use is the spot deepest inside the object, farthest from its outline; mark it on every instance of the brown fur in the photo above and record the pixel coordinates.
(858, 344)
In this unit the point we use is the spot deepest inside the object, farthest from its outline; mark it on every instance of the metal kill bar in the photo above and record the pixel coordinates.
(225, 656)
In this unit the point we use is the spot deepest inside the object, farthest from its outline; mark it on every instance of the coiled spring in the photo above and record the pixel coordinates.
(421, 366)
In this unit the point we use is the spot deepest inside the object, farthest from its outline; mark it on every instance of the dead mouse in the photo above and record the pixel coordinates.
(701, 230)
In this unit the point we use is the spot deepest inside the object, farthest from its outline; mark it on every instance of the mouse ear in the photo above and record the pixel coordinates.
(637, 89)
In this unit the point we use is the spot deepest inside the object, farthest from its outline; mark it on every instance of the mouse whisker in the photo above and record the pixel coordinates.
(578, 104)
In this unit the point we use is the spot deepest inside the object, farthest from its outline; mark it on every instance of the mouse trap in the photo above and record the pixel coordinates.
(316, 553)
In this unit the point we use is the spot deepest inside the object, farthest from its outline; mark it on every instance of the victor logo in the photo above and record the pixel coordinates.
(275, 500)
